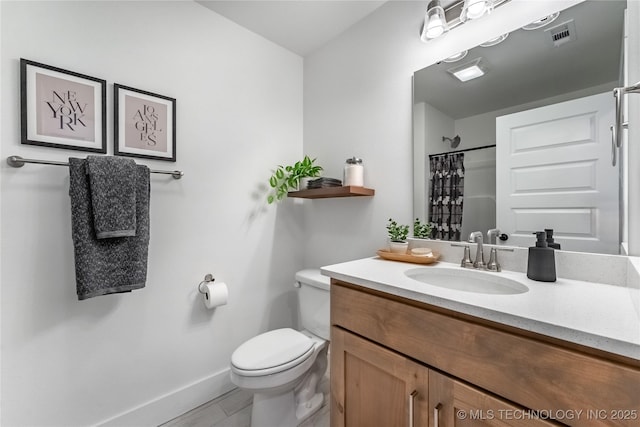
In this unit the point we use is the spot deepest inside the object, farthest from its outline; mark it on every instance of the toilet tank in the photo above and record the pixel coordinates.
(313, 298)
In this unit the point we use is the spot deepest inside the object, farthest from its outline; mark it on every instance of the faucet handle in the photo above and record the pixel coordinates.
(493, 264)
(466, 259)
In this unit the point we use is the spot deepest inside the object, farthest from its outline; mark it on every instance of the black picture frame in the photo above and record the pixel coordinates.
(144, 124)
(62, 109)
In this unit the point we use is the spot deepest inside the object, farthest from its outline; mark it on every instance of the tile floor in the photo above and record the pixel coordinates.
(233, 409)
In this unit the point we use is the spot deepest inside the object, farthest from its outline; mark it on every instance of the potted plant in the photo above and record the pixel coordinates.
(287, 178)
(397, 236)
(420, 230)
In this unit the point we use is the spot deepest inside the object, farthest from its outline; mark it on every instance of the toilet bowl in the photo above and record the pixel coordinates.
(283, 367)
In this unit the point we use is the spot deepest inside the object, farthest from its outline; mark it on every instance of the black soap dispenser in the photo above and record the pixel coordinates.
(541, 265)
(550, 241)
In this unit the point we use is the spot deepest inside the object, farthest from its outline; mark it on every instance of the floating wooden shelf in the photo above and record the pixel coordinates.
(324, 193)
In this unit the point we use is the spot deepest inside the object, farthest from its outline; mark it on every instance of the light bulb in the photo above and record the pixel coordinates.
(435, 23)
(435, 27)
(475, 10)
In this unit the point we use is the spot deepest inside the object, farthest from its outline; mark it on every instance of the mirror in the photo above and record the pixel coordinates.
(523, 130)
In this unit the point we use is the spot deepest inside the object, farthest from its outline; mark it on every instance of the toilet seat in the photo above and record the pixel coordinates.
(272, 352)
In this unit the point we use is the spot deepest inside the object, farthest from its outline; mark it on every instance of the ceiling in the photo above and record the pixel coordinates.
(301, 26)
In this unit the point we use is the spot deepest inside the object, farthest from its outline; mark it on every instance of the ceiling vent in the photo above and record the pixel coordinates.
(561, 34)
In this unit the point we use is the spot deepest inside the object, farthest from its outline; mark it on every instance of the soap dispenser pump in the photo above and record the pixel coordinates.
(550, 242)
(541, 265)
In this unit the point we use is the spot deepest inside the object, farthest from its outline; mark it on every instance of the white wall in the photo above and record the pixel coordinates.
(438, 125)
(358, 102)
(155, 351)
(419, 152)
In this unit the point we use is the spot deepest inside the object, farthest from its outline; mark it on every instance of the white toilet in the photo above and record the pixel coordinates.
(283, 367)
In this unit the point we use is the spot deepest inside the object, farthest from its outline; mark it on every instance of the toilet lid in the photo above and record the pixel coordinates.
(272, 349)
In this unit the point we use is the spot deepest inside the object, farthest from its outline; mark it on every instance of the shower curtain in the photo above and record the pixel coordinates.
(446, 191)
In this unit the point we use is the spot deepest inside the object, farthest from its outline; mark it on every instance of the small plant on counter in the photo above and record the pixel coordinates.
(397, 232)
(287, 178)
(420, 230)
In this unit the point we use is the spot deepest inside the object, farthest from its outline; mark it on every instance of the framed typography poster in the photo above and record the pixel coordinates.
(61, 108)
(145, 124)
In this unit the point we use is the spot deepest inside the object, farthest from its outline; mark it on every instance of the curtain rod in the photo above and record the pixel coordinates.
(462, 151)
(18, 162)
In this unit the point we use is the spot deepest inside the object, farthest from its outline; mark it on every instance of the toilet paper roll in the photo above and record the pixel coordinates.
(215, 294)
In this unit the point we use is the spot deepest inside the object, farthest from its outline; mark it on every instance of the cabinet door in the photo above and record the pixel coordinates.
(454, 403)
(373, 386)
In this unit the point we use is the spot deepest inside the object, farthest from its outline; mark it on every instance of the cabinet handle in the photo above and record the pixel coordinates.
(412, 398)
(617, 94)
(617, 129)
(436, 415)
(613, 145)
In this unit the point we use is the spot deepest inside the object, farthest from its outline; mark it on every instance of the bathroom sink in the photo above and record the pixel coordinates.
(459, 279)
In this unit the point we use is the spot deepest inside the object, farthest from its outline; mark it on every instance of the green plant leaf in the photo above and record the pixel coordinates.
(287, 178)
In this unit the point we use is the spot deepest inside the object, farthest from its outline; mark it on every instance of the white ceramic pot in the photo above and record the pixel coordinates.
(398, 247)
(302, 185)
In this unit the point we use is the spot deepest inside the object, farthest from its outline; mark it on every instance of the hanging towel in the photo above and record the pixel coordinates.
(113, 195)
(106, 266)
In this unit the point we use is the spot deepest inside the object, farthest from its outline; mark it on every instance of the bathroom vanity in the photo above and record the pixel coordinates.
(405, 352)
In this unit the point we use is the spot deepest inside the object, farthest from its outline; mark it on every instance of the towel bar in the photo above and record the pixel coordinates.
(18, 162)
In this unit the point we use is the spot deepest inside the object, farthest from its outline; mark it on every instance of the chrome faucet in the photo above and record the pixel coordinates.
(476, 237)
(492, 236)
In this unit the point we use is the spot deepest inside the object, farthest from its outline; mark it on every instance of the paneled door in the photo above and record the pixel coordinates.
(553, 170)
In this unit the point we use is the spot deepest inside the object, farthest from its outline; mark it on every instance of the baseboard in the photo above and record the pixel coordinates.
(171, 405)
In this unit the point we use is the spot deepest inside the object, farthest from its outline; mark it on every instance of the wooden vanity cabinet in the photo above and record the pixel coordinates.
(374, 386)
(465, 371)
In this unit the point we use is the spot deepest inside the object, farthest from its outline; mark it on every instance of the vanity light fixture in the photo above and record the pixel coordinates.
(435, 23)
(494, 41)
(456, 57)
(438, 21)
(542, 22)
(469, 70)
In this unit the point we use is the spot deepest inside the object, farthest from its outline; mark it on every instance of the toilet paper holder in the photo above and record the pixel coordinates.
(207, 279)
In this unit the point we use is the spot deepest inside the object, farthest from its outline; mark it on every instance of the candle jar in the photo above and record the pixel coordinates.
(353, 172)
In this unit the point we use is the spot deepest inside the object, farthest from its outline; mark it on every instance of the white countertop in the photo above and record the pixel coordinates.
(591, 314)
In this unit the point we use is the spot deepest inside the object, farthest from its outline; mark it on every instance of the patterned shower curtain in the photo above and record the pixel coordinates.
(446, 173)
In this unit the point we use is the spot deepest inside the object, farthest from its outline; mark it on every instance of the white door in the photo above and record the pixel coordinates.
(553, 170)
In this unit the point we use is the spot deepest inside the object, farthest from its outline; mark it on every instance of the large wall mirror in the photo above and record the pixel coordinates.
(527, 145)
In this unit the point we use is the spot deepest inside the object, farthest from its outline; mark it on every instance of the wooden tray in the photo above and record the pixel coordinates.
(386, 254)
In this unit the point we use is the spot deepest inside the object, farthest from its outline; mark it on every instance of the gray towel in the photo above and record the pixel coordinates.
(106, 266)
(113, 195)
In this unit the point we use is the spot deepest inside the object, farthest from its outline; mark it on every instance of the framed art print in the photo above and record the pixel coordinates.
(62, 109)
(145, 124)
